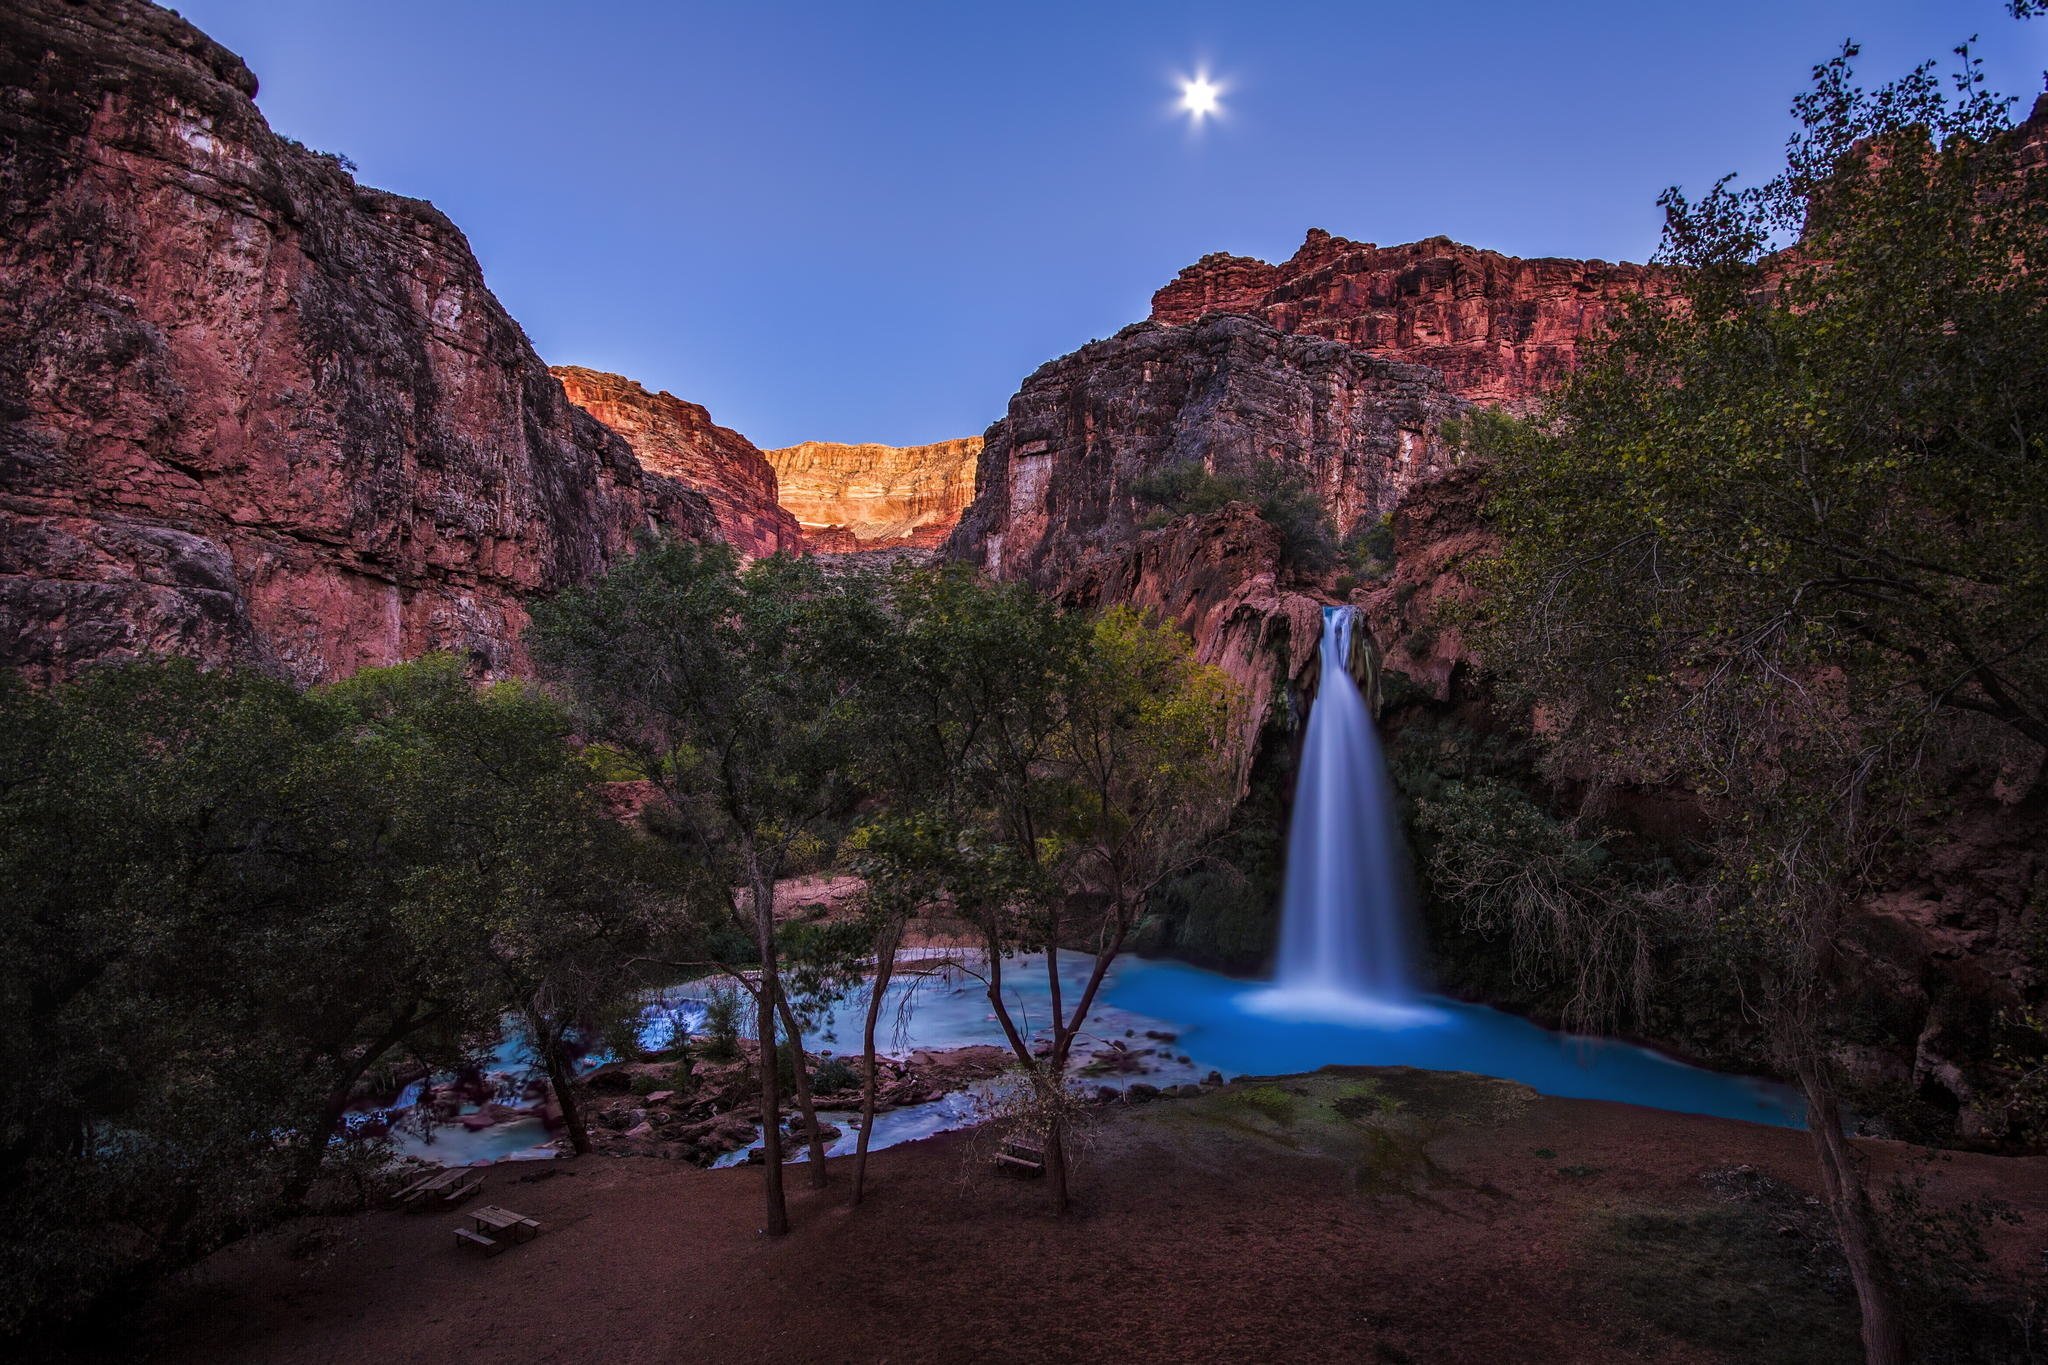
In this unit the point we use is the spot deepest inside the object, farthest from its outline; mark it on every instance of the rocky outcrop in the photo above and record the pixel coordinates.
(1219, 578)
(1058, 474)
(870, 497)
(249, 409)
(678, 439)
(1440, 534)
(1500, 329)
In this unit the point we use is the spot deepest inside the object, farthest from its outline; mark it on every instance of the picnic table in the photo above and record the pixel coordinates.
(491, 1218)
(449, 1186)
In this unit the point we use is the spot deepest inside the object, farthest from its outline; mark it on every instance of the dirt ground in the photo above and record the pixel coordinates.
(1360, 1216)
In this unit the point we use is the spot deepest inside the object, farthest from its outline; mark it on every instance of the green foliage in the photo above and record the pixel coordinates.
(1221, 910)
(834, 1076)
(1783, 538)
(1369, 548)
(1281, 494)
(722, 1008)
(229, 903)
(1775, 542)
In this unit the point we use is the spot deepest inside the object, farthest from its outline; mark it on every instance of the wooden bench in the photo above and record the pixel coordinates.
(1021, 1158)
(490, 1246)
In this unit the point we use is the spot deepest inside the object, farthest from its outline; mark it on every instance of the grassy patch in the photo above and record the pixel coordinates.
(1751, 1279)
(1270, 1102)
(1377, 1122)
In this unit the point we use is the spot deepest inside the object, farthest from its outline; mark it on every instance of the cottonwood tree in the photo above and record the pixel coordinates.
(720, 686)
(1071, 764)
(228, 903)
(528, 880)
(1142, 774)
(958, 669)
(1784, 533)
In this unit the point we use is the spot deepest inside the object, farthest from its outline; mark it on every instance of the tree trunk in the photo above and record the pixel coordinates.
(776, 1211)
(1056, 1151)
(1855, 1222)
(885, 967)
(800, 1072)
(563, 1085)
(306, 1169)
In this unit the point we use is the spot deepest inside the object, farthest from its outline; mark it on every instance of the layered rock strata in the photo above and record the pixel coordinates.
(678, 439)
(1500, 329)
(1060, 474)
(872, 497)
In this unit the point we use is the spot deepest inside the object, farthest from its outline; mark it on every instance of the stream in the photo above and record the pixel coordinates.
(1217, 1023)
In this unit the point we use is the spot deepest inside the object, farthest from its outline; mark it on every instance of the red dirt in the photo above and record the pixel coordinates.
(1194, 1238)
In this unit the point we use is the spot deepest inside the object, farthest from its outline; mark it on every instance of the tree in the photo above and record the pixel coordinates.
(1062, 766)
(229, 903)
(1778, 538)
(717, 684)
(515, 863)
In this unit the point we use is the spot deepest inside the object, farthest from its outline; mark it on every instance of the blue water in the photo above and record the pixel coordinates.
(1221, 1026)
(1217, 1023)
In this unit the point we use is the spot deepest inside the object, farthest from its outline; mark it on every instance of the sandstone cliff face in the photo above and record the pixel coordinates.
(1220, 580)
(873, 497)
(1057, 473)
(250, 410)
(678, 439)
(1502, 330)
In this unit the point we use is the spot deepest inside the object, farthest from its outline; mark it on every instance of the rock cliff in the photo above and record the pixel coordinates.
(1500, 329)
(1057, 474)
(249, 409)
(871, 497)
(678, 439)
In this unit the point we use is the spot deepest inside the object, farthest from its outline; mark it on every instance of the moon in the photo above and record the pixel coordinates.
(1201, 97)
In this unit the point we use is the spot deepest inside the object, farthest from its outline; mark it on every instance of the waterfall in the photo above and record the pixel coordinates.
(1344, 934)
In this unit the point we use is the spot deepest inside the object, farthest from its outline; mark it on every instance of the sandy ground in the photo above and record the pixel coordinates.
(1460, 1220)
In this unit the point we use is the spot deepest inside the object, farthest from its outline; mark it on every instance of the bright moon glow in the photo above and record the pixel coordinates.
(1201, 97)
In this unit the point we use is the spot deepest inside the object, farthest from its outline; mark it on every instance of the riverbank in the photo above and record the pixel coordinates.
(1358, 1215)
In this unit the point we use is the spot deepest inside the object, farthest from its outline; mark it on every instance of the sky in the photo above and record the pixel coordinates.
(861, 221)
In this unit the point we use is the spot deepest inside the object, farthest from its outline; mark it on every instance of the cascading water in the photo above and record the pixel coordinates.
(1344, 936)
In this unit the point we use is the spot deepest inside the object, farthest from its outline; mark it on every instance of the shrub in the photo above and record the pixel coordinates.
(1370, 548)
(1279, 492)
(721, 1025)
(834, 1074)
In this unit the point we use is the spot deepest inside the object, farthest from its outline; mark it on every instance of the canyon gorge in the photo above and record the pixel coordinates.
(255, 413)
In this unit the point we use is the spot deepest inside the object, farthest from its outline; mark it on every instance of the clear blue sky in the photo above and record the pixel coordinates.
(866, 221)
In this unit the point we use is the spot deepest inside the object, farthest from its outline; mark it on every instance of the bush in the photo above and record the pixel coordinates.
(833, 1075)
(721, 1025)
(1281, 495)
(1370, 548)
